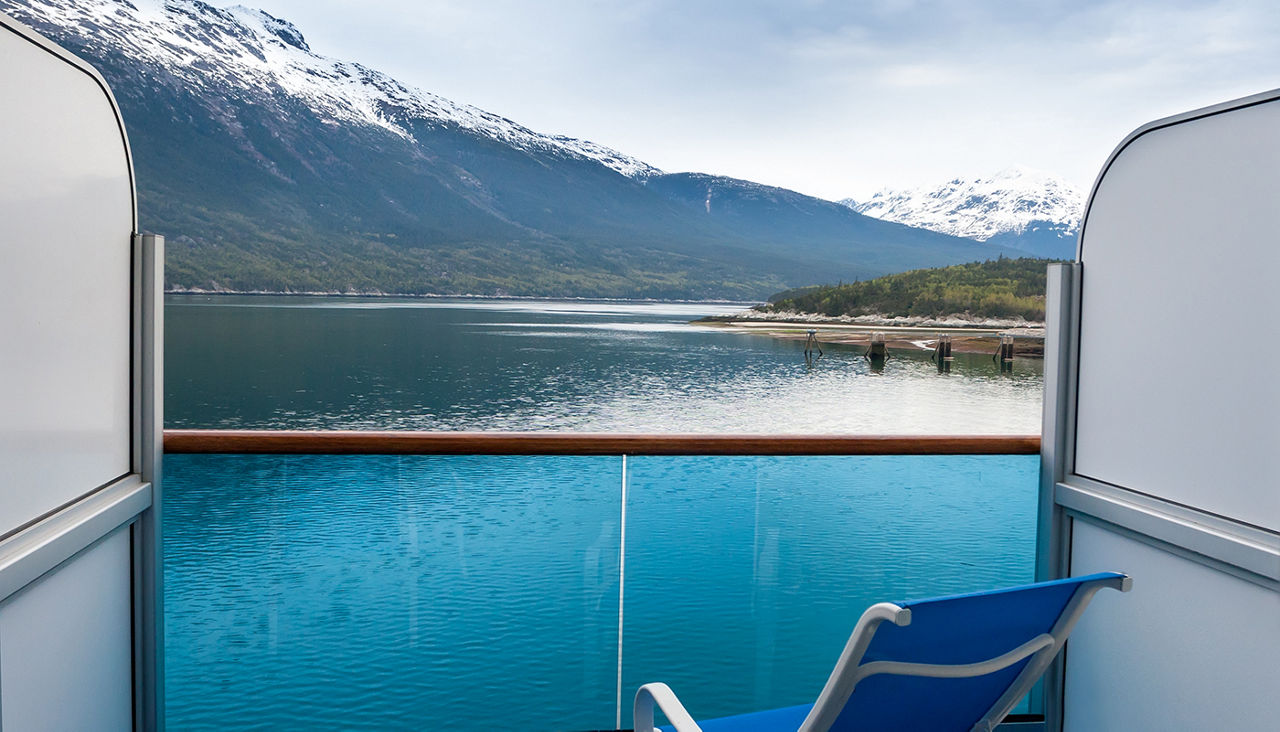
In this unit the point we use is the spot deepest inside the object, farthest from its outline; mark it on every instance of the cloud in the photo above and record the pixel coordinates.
(828, 97)
(919, 75)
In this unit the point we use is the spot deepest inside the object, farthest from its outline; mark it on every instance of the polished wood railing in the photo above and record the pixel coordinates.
(583, 443)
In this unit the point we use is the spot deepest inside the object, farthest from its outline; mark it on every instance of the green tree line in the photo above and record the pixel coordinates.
(1000, 288)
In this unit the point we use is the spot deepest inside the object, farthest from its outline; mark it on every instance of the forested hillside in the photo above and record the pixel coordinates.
(999, 288)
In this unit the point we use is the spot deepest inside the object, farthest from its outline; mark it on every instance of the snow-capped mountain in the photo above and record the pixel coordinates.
(216, 49)
(271, 167)
(1027, 209)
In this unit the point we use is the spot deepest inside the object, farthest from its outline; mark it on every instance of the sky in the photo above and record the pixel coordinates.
(832, 99)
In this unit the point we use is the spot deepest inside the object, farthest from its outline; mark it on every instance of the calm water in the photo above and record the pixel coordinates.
(482, 593)
(264, 362)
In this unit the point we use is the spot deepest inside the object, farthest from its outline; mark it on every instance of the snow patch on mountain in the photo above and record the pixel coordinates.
(237, 49)
(1012, 201)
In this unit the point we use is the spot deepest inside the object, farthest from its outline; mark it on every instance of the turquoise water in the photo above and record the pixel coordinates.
(326, 592)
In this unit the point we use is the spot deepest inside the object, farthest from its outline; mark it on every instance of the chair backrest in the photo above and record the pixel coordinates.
(951, 663)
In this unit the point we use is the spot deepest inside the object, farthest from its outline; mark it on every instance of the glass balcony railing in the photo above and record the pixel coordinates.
(514, 591)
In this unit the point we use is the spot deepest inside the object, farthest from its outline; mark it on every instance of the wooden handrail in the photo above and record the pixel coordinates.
(347, 442)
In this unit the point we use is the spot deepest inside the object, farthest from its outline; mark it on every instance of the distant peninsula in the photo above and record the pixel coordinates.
(975, 302)
(1007, 291)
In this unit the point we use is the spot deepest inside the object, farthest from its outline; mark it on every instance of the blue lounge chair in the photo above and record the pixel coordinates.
(950, 663)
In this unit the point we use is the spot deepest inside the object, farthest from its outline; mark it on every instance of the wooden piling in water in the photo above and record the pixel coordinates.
(877, 351)
(942, 351)
(1004, 354)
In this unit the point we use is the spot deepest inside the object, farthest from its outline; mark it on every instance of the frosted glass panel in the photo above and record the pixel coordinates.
(67, 215)
(1176, 396)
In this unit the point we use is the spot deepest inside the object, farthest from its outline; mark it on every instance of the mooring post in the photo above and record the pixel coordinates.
(942, 353)
(877, 351)
(1005, 352)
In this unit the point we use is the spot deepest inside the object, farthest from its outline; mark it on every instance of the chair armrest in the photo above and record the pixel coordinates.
(665, 698)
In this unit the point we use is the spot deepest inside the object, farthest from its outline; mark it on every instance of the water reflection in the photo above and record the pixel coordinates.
(346, 363)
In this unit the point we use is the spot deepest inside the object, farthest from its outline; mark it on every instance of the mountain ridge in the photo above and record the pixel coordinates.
(1019, 207)
(272, 168)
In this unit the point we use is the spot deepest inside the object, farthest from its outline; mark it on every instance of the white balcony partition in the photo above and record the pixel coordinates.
(1161, 428)
(55, 648)
(79, 405)
(1208, 637)
(66, 207)
(1181, 251)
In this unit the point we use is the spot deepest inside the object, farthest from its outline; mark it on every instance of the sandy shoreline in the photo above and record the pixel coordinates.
(1028, 339)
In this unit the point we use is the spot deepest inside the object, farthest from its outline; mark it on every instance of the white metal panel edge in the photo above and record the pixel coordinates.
(148, 570)
(28, 555)
(1053, 527)
(1252, 554)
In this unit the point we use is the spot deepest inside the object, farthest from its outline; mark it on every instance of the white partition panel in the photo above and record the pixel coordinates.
(80, 626)
(66, 218)
(1187, 644)
(1161, 455)
(66, 646)
(1178, 344)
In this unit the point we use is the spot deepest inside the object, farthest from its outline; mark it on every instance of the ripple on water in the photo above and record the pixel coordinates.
(411, 592)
